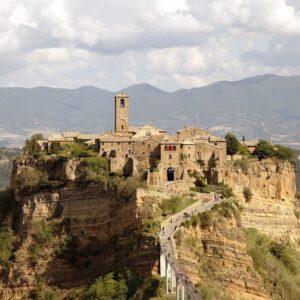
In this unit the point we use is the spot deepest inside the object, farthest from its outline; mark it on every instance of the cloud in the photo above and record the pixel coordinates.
(170, 43)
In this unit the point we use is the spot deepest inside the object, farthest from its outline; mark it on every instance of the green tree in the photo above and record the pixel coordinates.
(56, 147)
(32, 147)
(282, 152)
(264, 150)
(232, 144)
(108, 288)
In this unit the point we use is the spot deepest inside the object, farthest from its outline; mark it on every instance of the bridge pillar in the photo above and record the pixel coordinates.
(177, 288)
(182, 292)
(167, 281)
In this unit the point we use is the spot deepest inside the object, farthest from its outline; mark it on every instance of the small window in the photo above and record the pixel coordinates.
(118, 143)
(102, 143)
(122, 127)
(174, 148)
(216, 144)
(166, 148)
(170, 156)
(129, 143)
(122, 103)
(170, 148)
(149, 146)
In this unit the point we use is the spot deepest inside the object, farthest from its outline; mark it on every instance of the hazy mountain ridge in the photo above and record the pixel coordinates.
(262, 106)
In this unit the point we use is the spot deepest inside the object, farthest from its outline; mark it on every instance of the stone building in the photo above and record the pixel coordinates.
(164, 157)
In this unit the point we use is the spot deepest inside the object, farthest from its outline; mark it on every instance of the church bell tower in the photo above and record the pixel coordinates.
(121, 113)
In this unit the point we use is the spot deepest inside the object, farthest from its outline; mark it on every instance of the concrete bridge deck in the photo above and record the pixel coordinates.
(168, 261)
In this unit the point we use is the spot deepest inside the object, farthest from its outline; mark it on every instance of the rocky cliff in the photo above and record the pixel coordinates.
(93, 232)
(272, 208)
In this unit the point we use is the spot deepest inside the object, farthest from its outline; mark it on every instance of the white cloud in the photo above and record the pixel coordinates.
(169, 43)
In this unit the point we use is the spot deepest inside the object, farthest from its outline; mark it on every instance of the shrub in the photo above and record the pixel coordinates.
(42, 233)
(201, 162)
(173, 205)
(127, 187)
(264, 150)
(29, 180)
(114, 286)
(183, 156)
(205, 219)
(152, 288)
(232, 144)
(282, 152)
(6, 245)
(55, 147)
(243, 150)
(77, 150)
(247, 194)
(31, 146)
(242, 164)
(277, 263)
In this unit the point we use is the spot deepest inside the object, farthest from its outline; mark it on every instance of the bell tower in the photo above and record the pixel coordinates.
(121, 113)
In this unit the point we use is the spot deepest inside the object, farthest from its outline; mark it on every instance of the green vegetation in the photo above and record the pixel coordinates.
(175, 204)
(42, 234)
(266, 150)
(232, 144)
(126, 285)
(151, 228)
(6, 202)
(55, 147)
(242, 164)
(243, 150)
(31, 146)
(77, 150)
(247, 194)
(277, 263)
(220, 188)
(30, 180)
(7, 240)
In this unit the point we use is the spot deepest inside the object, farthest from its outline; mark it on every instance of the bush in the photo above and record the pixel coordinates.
(242, 164)
(206, 219)
(55, 147)
(243, 150)
(201, 162)
(284, 153)
(232, 144)
(42, 233)
(29, 180)
(114, 286)
(277, 263)
(152, 288)
(6, 245)
(127, 187)
(31, 146)
(264, 150)
(247, 194)
(173, 205)
(77, 150)
(6, 203)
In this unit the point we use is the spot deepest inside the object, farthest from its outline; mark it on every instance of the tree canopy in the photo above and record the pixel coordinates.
(31, 145)
(232, 144)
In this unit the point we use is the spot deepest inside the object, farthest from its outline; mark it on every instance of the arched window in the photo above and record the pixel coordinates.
(170, 148)
(174, 148)
(166, 148)
(122, 103)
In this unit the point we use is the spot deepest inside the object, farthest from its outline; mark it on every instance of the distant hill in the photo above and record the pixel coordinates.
(264, 106)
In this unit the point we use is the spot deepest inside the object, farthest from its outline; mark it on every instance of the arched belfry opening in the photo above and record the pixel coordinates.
(170, 174)
(121, 113)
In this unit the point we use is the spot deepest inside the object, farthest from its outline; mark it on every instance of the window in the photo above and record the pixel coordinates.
(170, 148)
(174, 148)
(216, 144)
(122, 103)
(170, 156)
(118, 143)
(166, 148)
(129, 143)
(149, 146)
(122, 127)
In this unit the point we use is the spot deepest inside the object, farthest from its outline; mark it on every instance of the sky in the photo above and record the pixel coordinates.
(171, 44)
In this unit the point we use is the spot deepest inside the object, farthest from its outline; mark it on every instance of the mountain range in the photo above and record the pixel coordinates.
(266, 106)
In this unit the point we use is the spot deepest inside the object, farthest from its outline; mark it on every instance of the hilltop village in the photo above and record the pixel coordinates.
(165, 157)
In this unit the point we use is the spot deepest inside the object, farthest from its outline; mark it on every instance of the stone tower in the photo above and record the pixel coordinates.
(121, 113)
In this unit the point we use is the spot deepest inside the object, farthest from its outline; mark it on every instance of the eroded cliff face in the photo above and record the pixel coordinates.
(103, 229)
(272, 206)
(216, 259)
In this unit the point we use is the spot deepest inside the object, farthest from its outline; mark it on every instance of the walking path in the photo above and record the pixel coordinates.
(167, 245)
